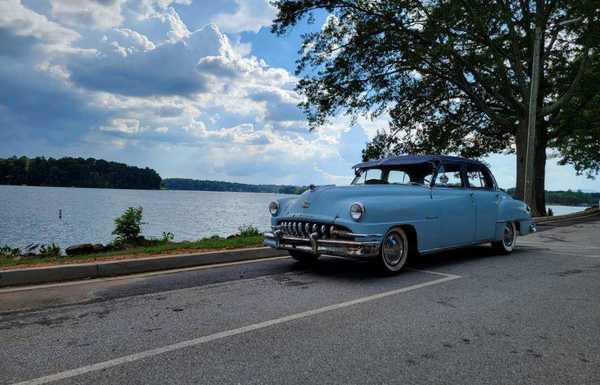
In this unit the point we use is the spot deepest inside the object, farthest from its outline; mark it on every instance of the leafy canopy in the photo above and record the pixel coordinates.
(453, 75)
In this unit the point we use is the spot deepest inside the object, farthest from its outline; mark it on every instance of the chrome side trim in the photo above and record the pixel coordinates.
(354, 235)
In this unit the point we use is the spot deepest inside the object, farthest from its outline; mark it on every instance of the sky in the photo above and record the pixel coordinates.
(193, 89)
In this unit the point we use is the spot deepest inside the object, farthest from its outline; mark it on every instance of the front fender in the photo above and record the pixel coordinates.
(284, 208)
(416, 211)
(513, 210)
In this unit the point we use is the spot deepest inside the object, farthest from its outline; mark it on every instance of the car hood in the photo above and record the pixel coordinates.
(331, 202)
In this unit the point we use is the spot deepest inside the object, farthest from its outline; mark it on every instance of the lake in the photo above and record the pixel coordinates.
(30, 214)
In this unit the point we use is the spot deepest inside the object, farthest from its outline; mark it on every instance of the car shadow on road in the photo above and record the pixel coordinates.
(451, 258)
(339, 268)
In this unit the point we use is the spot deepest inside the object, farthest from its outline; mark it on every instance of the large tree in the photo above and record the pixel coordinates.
(454, 76)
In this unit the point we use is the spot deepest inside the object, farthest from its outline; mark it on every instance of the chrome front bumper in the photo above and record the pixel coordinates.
(363, 246)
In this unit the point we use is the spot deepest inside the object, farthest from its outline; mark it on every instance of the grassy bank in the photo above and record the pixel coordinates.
(165, 248)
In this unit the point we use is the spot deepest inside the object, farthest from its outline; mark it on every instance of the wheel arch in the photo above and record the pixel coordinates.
(411, 234)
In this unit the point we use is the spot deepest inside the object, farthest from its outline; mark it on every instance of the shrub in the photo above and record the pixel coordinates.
(50, 250)
(9, 252)
(31, 250)
(167, 237)
(129, 225)
(248, 231)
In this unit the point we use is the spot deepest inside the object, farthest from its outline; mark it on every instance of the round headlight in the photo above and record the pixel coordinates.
(273, 208)
(357, 210)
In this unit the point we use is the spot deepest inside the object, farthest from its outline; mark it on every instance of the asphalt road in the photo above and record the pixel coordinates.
(461, 317)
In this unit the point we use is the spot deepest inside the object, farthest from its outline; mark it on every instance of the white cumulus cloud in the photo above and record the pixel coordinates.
(250, 15)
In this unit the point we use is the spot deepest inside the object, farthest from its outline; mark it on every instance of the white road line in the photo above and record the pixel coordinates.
(562, 250)
(564, 254)
(139, 275)
(229, 333)
(544, 245)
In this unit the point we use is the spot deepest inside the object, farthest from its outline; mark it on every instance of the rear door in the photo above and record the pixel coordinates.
(486, 198)
(455, 207)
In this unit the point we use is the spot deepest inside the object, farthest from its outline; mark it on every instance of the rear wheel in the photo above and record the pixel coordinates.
(303, 257)
(395, 250)
(509, 239)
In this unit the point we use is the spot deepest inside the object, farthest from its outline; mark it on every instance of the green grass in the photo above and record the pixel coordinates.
(235, 242)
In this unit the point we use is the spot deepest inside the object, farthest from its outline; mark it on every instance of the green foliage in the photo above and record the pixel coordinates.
(31, 251)
(9, 252)
(167, 237)
(454, 76)
(152, 249)
(568, 198)
(51, 250)
(129, 225)
(576, 131)
(75, 172)
(248, 231)
(211, 185)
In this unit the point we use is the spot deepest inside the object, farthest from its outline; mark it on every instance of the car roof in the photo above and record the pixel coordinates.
(416, 159)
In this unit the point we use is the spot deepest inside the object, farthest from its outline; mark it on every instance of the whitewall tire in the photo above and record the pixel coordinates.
(509, 239)
(395, 249)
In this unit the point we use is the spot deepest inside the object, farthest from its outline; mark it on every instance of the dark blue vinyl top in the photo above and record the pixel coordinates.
(416, 159)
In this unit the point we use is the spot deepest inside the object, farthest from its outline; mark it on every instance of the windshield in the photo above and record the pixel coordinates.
(411, 174)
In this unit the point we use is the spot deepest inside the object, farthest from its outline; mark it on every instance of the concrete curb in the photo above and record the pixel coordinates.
(39, 275)
(558, 218)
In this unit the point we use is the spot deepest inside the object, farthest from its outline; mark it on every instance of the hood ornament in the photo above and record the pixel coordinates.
(306, 204)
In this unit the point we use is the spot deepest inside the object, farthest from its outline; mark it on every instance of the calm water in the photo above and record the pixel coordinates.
(562, 210)
(30, 214)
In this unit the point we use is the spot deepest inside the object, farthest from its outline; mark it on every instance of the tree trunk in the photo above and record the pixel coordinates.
(521, 150)
(538, 206)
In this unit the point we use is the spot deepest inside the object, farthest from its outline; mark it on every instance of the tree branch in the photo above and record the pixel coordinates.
(562, 100)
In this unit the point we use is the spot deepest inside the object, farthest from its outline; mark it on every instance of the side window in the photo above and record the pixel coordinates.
(479, 179)
(398, 177)
(449, 175)
(369, 176)
(373, 175)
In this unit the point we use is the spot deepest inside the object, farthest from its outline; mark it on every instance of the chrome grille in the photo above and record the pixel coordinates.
(303, 229)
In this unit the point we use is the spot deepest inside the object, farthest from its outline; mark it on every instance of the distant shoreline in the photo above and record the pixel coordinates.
(139, 189)
(578, 204)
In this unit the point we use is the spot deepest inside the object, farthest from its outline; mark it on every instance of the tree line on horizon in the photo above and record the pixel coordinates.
(76, 172)
(214, 185)
(568, 197)
(98, 173)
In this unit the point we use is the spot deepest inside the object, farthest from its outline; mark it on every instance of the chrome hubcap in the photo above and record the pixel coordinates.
(509, 235)
(393, 249)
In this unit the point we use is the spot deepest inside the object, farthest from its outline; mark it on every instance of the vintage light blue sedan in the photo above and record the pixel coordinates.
(399, 207)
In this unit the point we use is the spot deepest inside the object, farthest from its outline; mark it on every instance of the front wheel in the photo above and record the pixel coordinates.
(303, 257)
(395, 250)
(509, 239)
